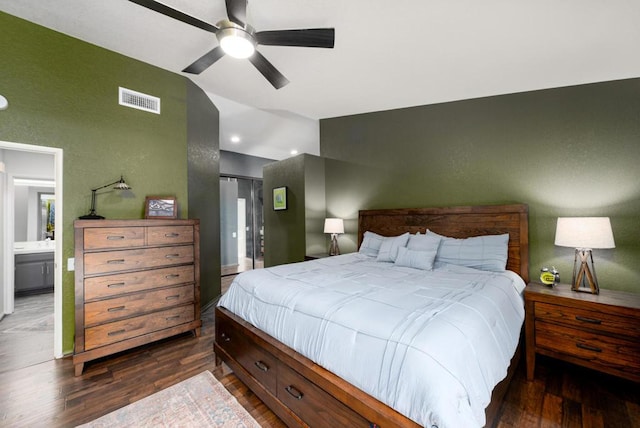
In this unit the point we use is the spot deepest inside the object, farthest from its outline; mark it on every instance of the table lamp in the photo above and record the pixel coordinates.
(584, 234)
(119, 185)
(334, 226)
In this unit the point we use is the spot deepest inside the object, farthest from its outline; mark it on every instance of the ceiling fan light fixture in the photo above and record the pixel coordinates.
(236, 42)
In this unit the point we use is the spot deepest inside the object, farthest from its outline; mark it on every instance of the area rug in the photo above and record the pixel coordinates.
(200, 401)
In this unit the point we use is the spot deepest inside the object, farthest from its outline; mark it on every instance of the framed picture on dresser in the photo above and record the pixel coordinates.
(162, 207)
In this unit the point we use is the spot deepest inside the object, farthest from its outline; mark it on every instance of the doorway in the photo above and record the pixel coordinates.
(10, 171)
(241, 226)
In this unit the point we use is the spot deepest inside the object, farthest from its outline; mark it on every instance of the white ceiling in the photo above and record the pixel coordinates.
(388, 54)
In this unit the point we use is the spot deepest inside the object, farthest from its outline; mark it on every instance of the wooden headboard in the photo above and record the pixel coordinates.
(458, 222)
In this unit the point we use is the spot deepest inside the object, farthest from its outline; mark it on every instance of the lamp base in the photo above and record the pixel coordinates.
(334, 250)
(584, 278)
(91, 217)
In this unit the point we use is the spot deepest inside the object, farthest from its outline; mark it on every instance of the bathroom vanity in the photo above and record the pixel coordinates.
(34, 267)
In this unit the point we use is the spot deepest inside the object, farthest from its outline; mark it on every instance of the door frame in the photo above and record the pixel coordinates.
(8, 233)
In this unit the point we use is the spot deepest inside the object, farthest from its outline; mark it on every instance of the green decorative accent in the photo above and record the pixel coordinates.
(547, 278)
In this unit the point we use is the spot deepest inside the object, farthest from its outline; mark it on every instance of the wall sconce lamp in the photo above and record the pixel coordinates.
(119, 185)
(584, 234)
(334, 226)
(4, 104)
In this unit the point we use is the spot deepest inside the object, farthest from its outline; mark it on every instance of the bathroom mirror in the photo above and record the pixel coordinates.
(34, 204)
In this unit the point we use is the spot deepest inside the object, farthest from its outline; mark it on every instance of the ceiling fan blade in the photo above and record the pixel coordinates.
(175, 14)
(311, 38)
(268, 70)
(205, 61)
(237, 11)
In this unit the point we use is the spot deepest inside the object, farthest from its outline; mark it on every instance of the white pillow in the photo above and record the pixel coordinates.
(389, 247)
(370, 244)
(416, 259)
(487, 252)
(424, 242)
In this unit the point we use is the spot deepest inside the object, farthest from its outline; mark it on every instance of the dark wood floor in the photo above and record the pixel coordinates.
(48, 395)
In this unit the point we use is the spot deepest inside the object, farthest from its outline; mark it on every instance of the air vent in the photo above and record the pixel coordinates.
(138, 100)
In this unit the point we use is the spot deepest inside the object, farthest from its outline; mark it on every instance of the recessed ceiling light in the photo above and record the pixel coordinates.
(294, 152)
(235, 139)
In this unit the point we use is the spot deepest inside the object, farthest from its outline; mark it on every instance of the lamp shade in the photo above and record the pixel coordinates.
(333, 225)
(584, 232)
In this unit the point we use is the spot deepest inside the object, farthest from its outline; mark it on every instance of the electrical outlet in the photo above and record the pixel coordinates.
(71, 264)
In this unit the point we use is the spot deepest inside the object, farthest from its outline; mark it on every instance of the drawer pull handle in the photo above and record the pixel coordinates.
(171, 276)
(115, 262)
(262, 366)
(171, 235)
(294, 392)
(174, 297)
(115, 333)
(172, 256)
(225, 337)
(115, 238)
(116, 284)
(589, 320)
(175, 317)
(116, 309)
(588, 347)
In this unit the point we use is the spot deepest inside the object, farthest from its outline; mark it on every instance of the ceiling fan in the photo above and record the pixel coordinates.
(239, 39)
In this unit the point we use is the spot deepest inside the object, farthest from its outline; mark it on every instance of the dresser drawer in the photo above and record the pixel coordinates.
(99, 287)
(124, 260)
(113, 237)
(106, 334)
(162, 235)
(604, 350)
(312, 404)
(588, 319)
(136, 304)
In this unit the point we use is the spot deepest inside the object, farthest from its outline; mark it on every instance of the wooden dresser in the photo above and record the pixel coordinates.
(136, 281)
(601, 332)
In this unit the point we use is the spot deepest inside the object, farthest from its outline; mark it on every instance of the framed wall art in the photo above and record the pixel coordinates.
(279, 198)
(160, 207)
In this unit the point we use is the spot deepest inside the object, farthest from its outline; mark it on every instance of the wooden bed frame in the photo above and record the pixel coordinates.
(302, 393)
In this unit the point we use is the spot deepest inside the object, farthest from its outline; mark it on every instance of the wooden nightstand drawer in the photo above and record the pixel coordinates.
(588, 319)
(603, 350)
(601, 332)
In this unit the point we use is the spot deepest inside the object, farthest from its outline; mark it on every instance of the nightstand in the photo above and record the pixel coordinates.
(315, 256)
(598, 331)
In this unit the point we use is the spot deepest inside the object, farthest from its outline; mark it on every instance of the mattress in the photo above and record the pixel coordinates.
(430, 344)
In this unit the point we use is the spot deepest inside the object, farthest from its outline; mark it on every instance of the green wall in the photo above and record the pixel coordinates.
(297, 231)
(204, 185)
(63, 93)
(284, 239)
(570, 151)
